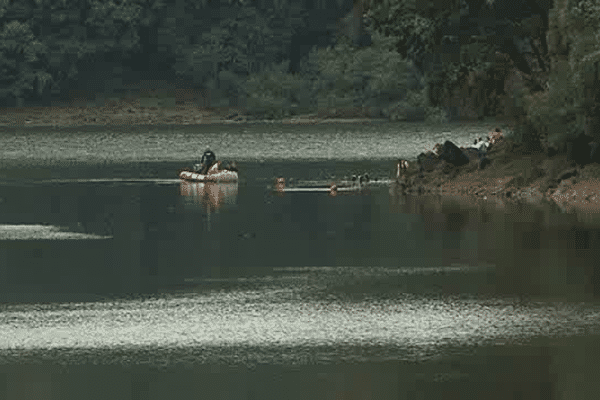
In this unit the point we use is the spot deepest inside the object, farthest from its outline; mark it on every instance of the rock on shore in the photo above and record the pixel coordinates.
(511, 176)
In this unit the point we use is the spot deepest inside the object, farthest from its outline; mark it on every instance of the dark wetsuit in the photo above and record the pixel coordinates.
(208, 159)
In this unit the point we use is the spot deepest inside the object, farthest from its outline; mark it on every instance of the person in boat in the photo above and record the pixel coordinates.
(215, 168)
(232, 166)
(207, 161)
(218, 167)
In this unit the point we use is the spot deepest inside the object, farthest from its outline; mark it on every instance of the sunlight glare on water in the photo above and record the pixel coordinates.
(38, 232)
(267, 316)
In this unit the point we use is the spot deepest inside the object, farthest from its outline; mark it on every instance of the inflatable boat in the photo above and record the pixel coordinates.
(220, 176)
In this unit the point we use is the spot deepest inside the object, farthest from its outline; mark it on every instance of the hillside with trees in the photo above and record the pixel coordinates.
(530, 62)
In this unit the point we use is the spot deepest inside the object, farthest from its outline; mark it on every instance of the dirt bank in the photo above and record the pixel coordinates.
(513, 176)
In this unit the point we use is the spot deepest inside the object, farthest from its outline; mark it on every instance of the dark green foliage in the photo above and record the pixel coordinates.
(20, 72)
(238, 44)
(372, 79)
(56, 37)
(569, 103)
(239, 50)
(427, 33)
(70, 36)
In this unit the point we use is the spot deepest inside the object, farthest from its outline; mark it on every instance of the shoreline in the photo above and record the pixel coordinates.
(514, 177)
(567, 185)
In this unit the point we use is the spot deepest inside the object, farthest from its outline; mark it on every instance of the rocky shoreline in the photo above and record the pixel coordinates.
(512, 177)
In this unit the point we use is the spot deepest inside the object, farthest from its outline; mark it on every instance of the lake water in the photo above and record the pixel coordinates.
(119, 281)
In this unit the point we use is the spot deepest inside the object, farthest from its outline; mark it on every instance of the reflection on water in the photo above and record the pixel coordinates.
(263, 316)
(210, 195)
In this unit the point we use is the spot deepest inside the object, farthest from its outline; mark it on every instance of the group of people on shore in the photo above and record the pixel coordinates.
(480, 147)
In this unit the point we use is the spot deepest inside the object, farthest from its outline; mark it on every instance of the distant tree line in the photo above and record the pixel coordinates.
(398, 58)
(52, 46)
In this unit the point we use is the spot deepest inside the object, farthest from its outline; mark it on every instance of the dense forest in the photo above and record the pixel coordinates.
(532, 62)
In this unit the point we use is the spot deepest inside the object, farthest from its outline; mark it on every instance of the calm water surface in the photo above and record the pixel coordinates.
(119, 281)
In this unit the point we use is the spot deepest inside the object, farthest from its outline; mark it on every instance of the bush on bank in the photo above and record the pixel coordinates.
(370, 80)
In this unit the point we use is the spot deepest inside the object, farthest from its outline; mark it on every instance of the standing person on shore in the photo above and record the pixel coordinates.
(495, 136)
(401, 167)
(481, 145)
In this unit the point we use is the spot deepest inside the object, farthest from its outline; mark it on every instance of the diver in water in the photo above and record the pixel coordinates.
(364, 179)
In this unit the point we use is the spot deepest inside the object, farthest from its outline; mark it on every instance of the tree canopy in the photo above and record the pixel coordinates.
(421, 53)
